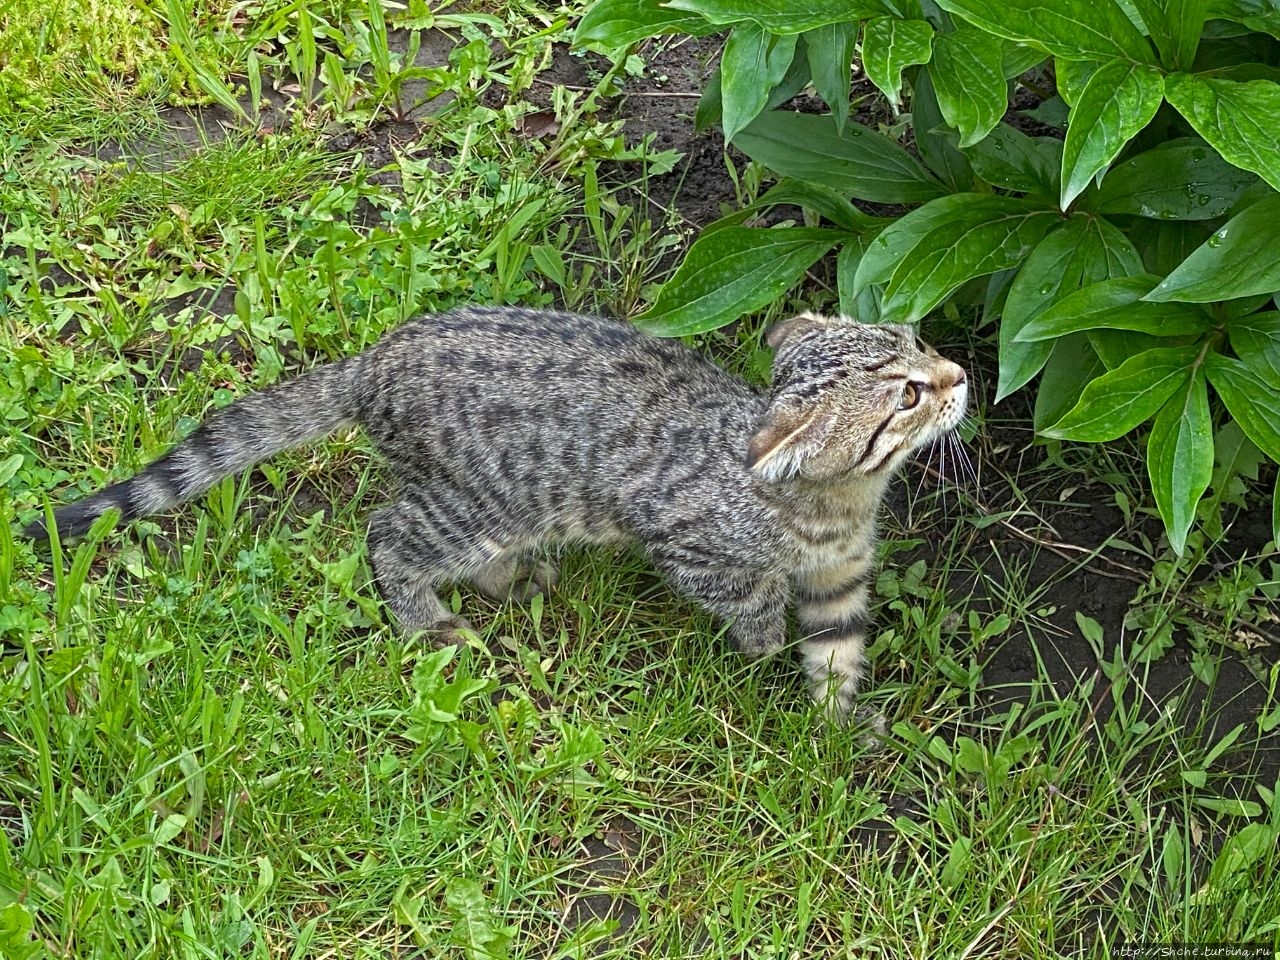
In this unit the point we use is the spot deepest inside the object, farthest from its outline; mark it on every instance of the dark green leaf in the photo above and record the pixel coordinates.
(1117, 347)
(1122, 398)
(1072, 77)
(1019, 58)
(731, 272)
(1275, 513)
(981, 235)
(1070, 367)
(865, 305)
(1186, 180)
(1052, 112)
(1256, 340)
(860, 163)
(611, 24)
(1235, 459)
(890, 44)
(710, 106)
(753, 63)
(1260, 15)
(830, 52)
(1071, 29)
(1166, 243)
(1243, 306)
(1011, 160)
(1239, 260)
(1175, 26)
(1116, 304)
(1118, 101)
(1254, 403)
(1080, 252)
(821, 200)
(969, 81)
(897, 243)
(1180, 457)
(711, 109)
(934, 139)
(1240, 120)
(782, 16)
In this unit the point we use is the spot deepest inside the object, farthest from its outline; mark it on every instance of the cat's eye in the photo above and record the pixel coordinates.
(910, 395)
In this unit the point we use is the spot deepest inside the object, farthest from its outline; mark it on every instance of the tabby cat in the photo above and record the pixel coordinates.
(510, 428)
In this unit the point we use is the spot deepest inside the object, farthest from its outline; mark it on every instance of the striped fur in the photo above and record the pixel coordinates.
(509, 429)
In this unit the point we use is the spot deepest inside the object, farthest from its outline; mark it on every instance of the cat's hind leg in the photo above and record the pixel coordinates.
(414, 546)
(512, 574)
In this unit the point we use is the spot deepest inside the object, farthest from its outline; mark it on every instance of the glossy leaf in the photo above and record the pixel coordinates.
(1175, 26)
(782, 16)
(1180, 457)
(898, 241)
(1071, 366)
(1019, 58)
(1256, 340)
(1071, 29)
(1238, 260)
(968, 76)
(830, 52)
(731, 272)
(1072, 77)
(860, 163)
(753, 63)
(1082, 251)
(1011, 160)
(1116, 347)
(1166, 243)
(863, 306)
(1260, 15)
(1254, 403)
(937, 144)
(1186, 180)
(825, 201)
(1122, 398)
(1240, 120)
(1116, 304)
(970, 243)
(1118, 101)
(889, 45)
(612, 24)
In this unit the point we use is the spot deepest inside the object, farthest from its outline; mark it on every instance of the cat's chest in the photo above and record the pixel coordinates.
(832, 541)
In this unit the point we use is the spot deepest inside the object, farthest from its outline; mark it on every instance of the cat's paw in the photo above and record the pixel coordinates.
(533, 577)
(442, 633)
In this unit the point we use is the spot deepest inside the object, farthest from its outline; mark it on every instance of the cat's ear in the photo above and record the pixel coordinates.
(784, 330)
(786, 438)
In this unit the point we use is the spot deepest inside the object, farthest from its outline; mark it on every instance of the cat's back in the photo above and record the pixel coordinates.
(531, 355)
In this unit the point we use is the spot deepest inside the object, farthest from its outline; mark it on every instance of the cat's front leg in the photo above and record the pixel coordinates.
(833, 619)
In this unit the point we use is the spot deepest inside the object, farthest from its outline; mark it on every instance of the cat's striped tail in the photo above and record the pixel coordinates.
(253, 428)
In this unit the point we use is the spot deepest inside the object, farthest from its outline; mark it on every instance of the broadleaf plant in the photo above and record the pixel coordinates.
(1131, 250)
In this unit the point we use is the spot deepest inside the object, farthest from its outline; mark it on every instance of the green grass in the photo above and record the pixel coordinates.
(212, 744)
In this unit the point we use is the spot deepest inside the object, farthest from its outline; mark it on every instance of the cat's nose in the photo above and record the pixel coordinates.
(960, 378)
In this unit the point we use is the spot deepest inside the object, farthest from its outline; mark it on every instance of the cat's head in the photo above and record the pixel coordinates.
(851, 398)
